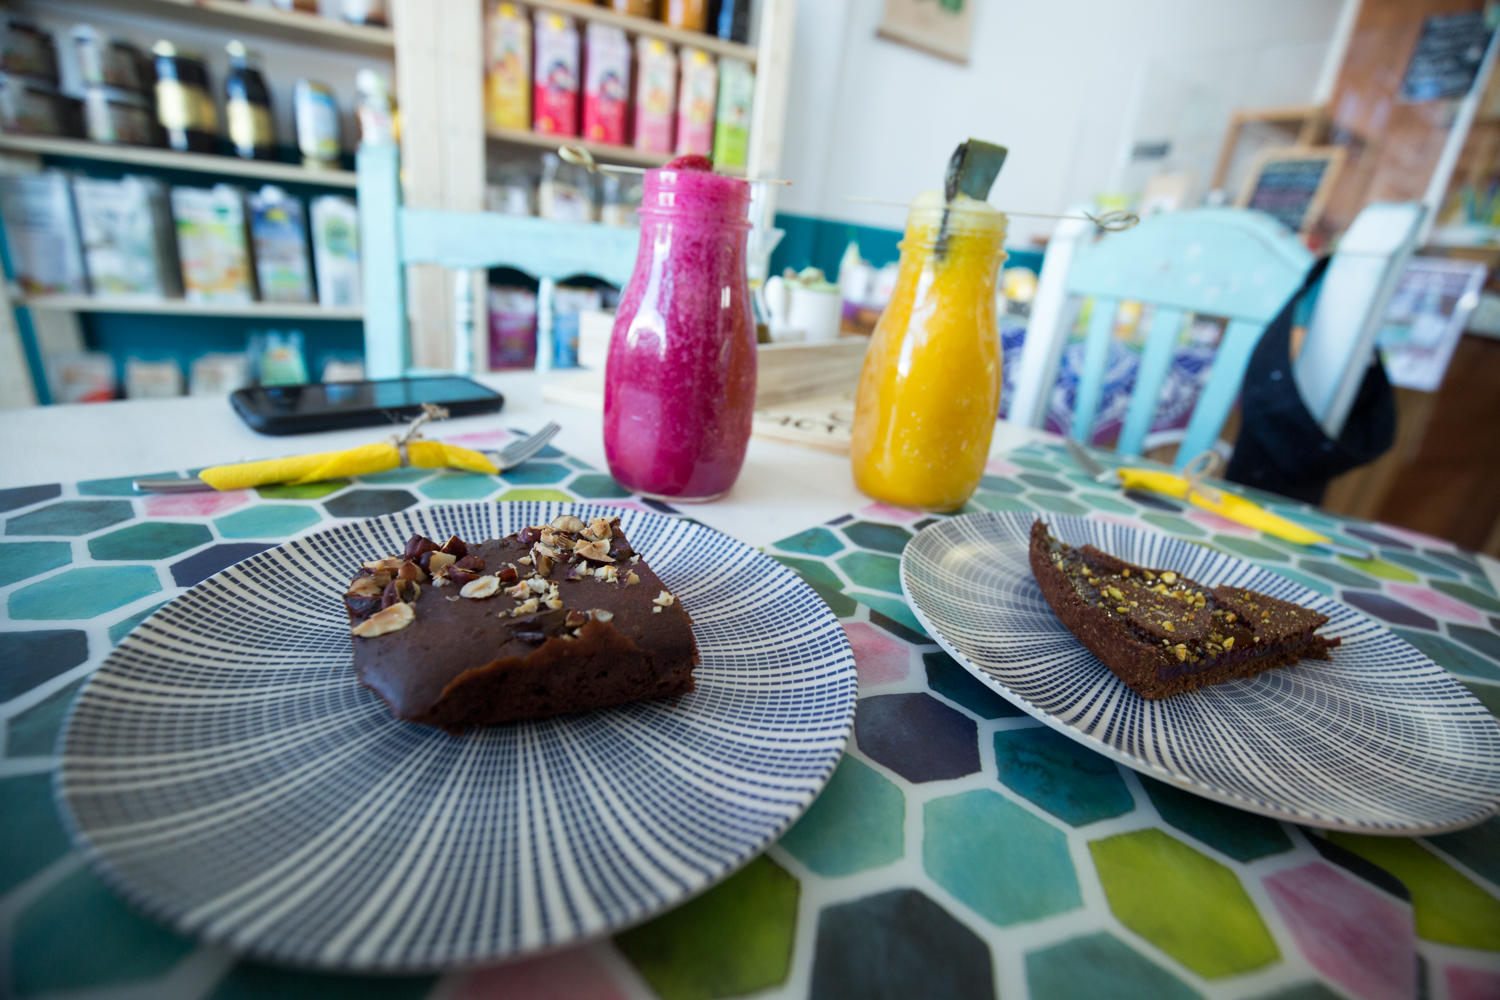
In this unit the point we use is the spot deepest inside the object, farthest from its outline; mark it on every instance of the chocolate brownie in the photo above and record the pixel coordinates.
(560, 618)
(1162, 633)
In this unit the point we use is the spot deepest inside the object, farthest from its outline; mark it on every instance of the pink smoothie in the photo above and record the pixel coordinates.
(679, 385)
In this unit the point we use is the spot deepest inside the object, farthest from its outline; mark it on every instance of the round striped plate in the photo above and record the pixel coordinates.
(225, 772)
(1378, 740)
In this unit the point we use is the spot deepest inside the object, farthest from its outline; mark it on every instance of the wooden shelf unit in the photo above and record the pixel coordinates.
(182, 307)
(647, 26)
(603, 152)
(171, 159)
(242, 16)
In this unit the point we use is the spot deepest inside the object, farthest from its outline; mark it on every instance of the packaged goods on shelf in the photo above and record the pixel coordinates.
(41, 233)
(373, 109)
(316, 113)
(511, 190)
(555, 94)
(689, 15)
(695, 103)
(372, 12)
(606, 86)
(184, 100)
(343, 368)
(26, 50)
(30, 107)
(278, 358)
(512, 327)
(129, 249)
(247, 106)
(732, 121)
(218, 374)
(636, 8)
(564, 192)
(507, 67)
(278, 233)
(211, 244)
(567, 303)
(81, 377)
(335, 234)
(619, 199)
(655, 94)
(300, 6)
(109, 62)
(152, 379)
(731, 21)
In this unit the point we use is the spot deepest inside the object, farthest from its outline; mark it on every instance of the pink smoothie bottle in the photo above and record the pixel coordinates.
(679, 385)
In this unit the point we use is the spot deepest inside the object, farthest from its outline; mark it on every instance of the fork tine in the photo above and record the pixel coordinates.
(520, 451)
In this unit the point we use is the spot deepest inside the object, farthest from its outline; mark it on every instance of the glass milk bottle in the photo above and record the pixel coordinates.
(679, 384)
(929, 392)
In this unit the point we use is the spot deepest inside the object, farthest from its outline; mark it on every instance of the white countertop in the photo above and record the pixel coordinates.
(782, 489)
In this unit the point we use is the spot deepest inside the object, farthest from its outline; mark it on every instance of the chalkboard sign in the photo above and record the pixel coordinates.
(1291, 184)
(1446, 57)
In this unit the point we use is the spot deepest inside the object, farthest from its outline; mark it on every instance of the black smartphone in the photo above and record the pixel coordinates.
(328, 406)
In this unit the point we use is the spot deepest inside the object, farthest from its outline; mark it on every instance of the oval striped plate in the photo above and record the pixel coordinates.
(224, 771)
(1378, 740)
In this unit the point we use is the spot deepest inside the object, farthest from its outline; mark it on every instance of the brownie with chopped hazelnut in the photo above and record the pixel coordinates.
(1162, 633)
(563, 617)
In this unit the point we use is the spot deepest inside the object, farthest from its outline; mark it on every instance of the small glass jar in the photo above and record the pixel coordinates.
(929, 392)
(184, 102)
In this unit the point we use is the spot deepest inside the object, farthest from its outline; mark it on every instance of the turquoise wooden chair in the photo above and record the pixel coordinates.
(392, 236)
(1230, 263)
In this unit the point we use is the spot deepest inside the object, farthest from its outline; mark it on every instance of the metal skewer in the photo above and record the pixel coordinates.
(1111, 221)
(580, 156)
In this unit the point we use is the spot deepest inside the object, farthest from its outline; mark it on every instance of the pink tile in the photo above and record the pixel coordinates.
(1000, 467)
(885, 512)
(567, 975)
(1437, 603)
(194, 504)
(1473, 984)
(480, 438)
(878, 657)
(1213, 522)
(1360, 939)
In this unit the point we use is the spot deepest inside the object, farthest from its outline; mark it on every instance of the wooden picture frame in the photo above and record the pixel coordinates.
(1292, 183)
(937, 27)
(1309, 121)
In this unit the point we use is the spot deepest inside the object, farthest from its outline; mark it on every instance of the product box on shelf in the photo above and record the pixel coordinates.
(129, 248)
(555, 95)
(695, 103)
(512, 327)
(211, 244)
(606, 87)
(655, 94)
(335, 235)
(507, 67)
(732, 122)
(42, 234)
(278, 231)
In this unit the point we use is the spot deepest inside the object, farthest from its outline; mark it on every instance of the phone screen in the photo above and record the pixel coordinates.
(319, 398)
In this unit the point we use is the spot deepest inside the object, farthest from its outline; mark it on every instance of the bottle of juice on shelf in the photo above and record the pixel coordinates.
(679, 383)
(929, 392)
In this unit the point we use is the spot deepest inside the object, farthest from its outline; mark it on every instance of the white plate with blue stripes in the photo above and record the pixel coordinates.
(1379, 739)
(224, 771)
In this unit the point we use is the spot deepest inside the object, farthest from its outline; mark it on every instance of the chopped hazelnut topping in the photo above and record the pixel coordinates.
(567, 522)
(609, 574)
(596, 551)
(634, 559)
(664, 599)
(524, 560)
(1229, 617)
(452, 597)
(536, 585)
(598, 530)
(656, 611)
(1229, 643)
(631, 579)
(600, 615)
(1169, 626)
(1169, 577)
(391, 619)
(485, 586)
(1149, 575)
(1180, 650)
(525, 609)
(368, 586)
(554, 603)
(439, 561)
(387, 565)
(520, 591)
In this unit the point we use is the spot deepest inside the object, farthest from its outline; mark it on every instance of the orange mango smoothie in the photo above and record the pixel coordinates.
(929, 392)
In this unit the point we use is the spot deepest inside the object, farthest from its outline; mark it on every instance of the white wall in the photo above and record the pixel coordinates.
(1056, 81)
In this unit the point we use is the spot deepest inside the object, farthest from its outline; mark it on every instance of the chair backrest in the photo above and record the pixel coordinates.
(392, 236)
(1220, 262)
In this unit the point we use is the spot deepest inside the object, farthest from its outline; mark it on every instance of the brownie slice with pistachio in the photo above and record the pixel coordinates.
(562, 617)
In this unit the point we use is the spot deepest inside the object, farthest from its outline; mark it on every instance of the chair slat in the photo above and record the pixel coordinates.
(1095, 359)
(1222, 388)
(540, 247)
(380, 251)
(1156, 362)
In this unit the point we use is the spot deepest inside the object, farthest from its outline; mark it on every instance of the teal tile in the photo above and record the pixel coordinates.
(1469, 595)
(71, 517)
(1100, 967)
(1061, 775)
(869, 571)
(577, 463)
(250, 981)
(1418, 563)
(1101, 501)
(119, 487)
(813, 542)
(31, 837)
(19, 560)
(1488, 695)
(1316, 520)
(535, 473)
(947, 677)
(997, 502)
(997, 858)
(1339, 574)
(149, 540)
(305, 491)
(995, 484)
(1482, 640)
(1477, 847)
(1249, 549)
(33, 733)
(856, 823)
(121, 629)
(411, 474)
(822, 580)
(106, 944)
(892, 607)
(1035, 464)
(32, 657)
(1241, 835)
(268, 520)
(1048, 484)
(880, 537)
(1058, 505)
(597, 486)
(1311, 582)
(460, 486)
(1179, 526)
(83, 593)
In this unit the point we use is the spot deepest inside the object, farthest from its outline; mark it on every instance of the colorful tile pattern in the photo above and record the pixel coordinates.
(961, 849)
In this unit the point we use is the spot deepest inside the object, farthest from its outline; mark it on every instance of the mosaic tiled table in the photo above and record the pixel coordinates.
(960, 850)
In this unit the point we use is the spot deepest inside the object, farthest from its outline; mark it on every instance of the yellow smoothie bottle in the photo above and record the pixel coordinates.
(929, 392)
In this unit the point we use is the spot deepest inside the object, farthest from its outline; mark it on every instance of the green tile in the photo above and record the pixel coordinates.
(948, 678)
(1380, 568)
(460, 486)
(597, 486)
(1102, 501)
(872, 572)
(411, 474)
(1241, 835)
(813, 542)
(1249, 549)
(1478, 847)
(1058, 505)
(19, 560)
(1488, 695)
(1339, 574)
(1311, 582)
(822, 580)
(149, 540)
(577, 463)
(1468, 595)
(996, 484)
(880, 537)
(734, 939)
(518, 495)
(307, 491)
(535, 473)
(83, 593)
(120, 486)
(121, 629)
(856, 823)
(1049, 484)
(892, 607)
(1449, 908)
(1101, 967)
(1064, 777)
(71, 517)
(268, 520)
(1302, 515)
(995, 502)
(33, 733)
(1178, 526)
(31, 837)
(1418, 563)
(1035, 464)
